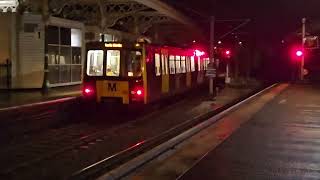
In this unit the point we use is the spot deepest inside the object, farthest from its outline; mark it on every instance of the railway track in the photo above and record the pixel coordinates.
(97, 169)
(54, 142)
(51, 146)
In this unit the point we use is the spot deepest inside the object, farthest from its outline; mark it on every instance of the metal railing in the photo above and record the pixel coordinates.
(5, 75)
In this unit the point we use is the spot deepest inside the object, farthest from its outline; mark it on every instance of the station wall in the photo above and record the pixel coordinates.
(5, 21)
(28, 69)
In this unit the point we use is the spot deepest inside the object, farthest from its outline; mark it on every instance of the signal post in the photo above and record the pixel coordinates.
(211, 70)
(302, 55)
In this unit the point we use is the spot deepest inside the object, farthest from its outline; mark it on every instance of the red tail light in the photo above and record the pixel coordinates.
(139, 92)
(88, 91)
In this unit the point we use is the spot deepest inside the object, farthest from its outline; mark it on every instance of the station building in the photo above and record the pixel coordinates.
(45, 34)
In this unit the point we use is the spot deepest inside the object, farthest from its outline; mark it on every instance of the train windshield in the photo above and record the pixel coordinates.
(95, 63)
(113, 63)
(134, 59)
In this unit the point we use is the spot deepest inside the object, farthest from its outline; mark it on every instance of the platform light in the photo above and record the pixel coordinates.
(219, 42)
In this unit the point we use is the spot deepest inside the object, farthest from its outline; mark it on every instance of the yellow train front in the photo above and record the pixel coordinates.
(137, 73)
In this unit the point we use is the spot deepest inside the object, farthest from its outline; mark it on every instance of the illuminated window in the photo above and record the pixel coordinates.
(172, 65)
(95, 63)
(164, 64)
(76, 37)
(183, 64)
(163, 71)
(113, 63)
(157, 64)
(188, 68)
(134, 64)
(178, 66)
(192, 64)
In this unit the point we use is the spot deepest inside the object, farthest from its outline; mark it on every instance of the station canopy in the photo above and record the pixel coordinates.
(152, 18)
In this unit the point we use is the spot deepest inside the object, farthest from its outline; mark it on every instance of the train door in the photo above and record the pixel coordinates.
(165, 71)
(155, 82)
(188, 71)
(199, 69)
(178, 73)
(194, 72)
(202, 74)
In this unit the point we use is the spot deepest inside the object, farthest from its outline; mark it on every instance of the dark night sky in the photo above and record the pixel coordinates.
(272, 19)
(271, 22)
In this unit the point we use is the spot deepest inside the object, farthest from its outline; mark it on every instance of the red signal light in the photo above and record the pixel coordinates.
(226, 53)
(299, 53)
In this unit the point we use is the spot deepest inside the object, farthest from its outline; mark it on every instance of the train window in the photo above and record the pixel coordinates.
(183, 64)
(192, 64)
(178, 66)
(172, 65)
(206, 62)
(95, 63)
(134, 64)
(157, 64)
(163, 65)
(188, 64)
(166, 64)
(113, 63)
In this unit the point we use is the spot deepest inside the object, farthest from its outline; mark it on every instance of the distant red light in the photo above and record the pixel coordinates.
(88, 91)
(139, 92)
(228, 52)
(299, 53)
(198, 53)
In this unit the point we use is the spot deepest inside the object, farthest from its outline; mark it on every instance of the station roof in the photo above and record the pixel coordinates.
(133, 16)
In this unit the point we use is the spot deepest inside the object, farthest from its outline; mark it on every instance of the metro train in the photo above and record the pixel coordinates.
(140, 73)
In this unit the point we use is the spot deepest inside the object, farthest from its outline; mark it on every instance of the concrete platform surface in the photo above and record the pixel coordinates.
(281, 141)
(22, 97)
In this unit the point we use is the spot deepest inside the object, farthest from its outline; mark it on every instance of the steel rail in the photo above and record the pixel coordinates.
(97, 169)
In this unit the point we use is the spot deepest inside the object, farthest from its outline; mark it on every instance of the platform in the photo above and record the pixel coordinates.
(281, 141)
(13, 98)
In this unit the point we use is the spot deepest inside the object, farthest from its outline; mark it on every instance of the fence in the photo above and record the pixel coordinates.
(5, 75)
